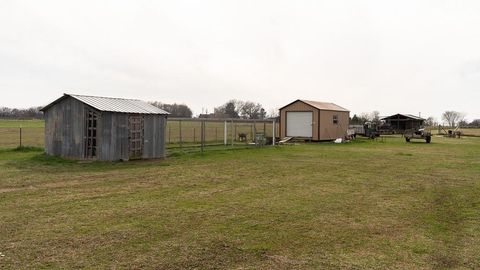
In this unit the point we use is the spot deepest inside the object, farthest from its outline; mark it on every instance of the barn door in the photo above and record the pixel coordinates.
(90, 138)
(135, 136)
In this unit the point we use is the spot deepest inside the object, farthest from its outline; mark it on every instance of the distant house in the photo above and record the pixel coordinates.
(101, 128)
(401, 122)
(313, 120)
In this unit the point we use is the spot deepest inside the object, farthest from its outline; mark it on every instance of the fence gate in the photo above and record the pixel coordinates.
(135, 136)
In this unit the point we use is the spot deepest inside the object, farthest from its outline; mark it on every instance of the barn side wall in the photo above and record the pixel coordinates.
(113, 137)
(298, 107)
(154, 136)
(65, 128)
(331, 131)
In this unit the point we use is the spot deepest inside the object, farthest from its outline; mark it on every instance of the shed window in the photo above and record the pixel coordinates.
(335, 119)
(91, 134)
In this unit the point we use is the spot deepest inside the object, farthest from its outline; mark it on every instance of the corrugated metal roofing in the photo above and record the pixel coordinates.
(324, 105)
(405, 115)
(107, 104)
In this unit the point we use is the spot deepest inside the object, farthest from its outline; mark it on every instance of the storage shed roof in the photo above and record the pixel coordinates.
(107, 104)
(328, 106)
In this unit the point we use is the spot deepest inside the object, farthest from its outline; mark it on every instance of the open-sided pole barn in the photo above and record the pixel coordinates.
(101, 128)
(402, 122)
(313, 120)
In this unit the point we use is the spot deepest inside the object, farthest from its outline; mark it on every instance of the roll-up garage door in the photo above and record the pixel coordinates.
(299, 124)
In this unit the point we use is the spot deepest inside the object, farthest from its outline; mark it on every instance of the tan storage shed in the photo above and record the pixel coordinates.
(313, 120)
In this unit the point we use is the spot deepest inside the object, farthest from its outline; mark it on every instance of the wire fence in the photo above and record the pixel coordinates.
(12, 137)
(179, 134)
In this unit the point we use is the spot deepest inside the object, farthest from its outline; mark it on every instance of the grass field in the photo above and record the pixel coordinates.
(362, 205)
(32, 133)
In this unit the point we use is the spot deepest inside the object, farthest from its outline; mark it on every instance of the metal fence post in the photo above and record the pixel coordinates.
(254, 131)
(225, 134)
(20, 137)
(233, 134)
(202, 135)
(273, 132)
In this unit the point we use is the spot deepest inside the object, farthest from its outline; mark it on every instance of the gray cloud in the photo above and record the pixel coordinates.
(392, 56)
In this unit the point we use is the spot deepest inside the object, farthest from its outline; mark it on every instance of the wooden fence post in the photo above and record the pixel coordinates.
(180, 131)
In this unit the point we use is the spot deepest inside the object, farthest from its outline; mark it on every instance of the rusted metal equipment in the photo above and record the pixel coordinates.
(419, 134)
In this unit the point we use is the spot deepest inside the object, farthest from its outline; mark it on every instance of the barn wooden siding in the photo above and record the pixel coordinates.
(65, 131)
(113, 136)
(65, 128)
(154, 139)
(114, 142)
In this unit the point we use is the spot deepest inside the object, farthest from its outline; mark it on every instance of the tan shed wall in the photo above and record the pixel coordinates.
(331, 131)
(298, 107)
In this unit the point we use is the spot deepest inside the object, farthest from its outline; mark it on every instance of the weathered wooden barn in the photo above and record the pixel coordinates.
(402, 122)
(313, 120)
(101, 128)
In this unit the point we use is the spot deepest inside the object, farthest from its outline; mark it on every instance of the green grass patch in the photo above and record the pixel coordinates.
(361, 205)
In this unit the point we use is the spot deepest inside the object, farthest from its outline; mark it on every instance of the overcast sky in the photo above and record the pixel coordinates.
(391, 56)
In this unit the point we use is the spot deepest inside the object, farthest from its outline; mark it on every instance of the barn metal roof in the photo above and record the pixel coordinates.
(327, 106)
(411, 116)
(107, 104)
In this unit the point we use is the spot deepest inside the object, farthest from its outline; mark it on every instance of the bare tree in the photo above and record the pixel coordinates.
(431, 121)
(364, 117)
(453, 118)
(371, 117)
(231, 109)
(375, 117)
(251, 110)
(240, 109)
(273, 113)
(175, 110)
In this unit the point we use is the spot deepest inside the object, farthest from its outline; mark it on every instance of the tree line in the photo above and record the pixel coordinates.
(239, 109)
(175, 110)
(231, 109)
(13, 113)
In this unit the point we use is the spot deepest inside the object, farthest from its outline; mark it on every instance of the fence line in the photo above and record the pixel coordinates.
(179, 133)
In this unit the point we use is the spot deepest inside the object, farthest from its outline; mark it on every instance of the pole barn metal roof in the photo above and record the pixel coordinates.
(107, 104)
(410, 116)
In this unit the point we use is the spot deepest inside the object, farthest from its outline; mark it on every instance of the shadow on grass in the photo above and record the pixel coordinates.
(27, 149)
(34, 159)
